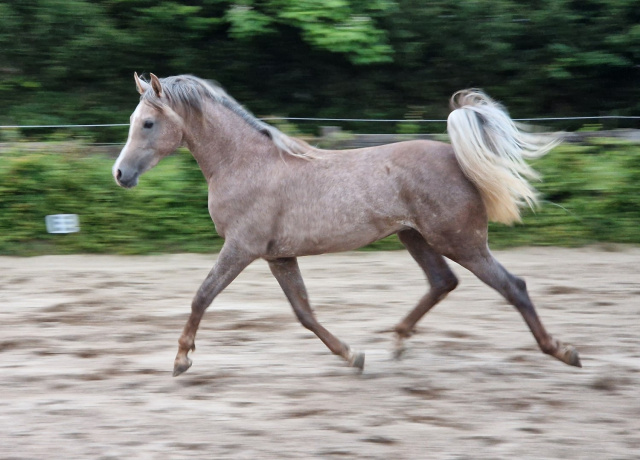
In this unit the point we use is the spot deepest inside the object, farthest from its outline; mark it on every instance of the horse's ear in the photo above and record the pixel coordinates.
(155, 84)
(141, 85)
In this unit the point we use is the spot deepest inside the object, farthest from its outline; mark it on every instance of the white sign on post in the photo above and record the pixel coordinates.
(62, 223)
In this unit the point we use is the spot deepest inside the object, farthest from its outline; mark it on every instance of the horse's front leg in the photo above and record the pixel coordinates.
(230, 263)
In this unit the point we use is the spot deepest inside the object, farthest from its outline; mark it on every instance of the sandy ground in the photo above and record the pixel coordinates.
(87, 346)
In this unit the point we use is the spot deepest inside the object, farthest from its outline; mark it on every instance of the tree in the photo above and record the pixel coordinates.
(72, 61)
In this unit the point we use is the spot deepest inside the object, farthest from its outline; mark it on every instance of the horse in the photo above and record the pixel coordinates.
(277, 198)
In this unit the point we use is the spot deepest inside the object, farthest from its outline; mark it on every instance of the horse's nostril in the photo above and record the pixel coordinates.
(118, 174)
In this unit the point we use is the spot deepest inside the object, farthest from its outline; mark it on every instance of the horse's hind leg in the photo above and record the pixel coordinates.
(441, 279)
(287, 273)
(514, 289)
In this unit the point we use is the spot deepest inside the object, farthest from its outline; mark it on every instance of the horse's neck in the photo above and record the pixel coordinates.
(225, 146)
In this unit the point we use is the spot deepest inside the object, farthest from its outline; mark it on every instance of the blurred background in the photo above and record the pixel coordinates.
(568, 65)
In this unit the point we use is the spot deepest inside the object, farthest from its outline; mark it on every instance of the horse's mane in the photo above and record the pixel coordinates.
(189, 93)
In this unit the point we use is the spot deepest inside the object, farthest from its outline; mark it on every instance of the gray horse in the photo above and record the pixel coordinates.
(275, 197)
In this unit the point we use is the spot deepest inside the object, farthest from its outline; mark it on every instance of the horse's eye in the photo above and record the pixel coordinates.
(148, 124)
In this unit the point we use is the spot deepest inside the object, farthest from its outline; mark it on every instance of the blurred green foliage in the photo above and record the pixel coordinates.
(72, 61)
(590, 193)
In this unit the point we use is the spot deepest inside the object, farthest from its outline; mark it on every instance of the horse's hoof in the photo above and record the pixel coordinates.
(399, 347)
(181, 365)
(398, 351)
(569, 355)
(357, 360)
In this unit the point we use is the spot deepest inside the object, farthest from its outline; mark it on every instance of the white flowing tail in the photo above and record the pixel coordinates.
(491, 150)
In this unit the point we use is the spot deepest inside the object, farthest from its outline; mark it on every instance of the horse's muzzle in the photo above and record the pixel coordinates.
(126, 180)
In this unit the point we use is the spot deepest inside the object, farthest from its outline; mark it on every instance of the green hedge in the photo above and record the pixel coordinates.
(166, 213)
(591, 194)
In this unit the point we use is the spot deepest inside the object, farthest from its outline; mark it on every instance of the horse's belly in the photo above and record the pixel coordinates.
(330, 240)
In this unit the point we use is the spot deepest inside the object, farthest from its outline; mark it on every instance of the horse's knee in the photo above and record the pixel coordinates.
(200, 302)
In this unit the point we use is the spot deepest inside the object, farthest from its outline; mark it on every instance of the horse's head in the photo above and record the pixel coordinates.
(155, 131)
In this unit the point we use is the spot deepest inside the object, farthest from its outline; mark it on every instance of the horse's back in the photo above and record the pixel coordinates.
(416, 169)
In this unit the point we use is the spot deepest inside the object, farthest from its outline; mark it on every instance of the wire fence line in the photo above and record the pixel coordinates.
(409, 120)
(345, 120)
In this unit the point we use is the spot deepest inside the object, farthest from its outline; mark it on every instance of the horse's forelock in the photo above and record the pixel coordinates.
(179, 92)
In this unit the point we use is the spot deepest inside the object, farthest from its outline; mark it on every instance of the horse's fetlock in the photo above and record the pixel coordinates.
(186, 343)
(550, 347)
(403, 332)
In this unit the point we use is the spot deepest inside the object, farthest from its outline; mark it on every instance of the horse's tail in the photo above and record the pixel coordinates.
(491, 149)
